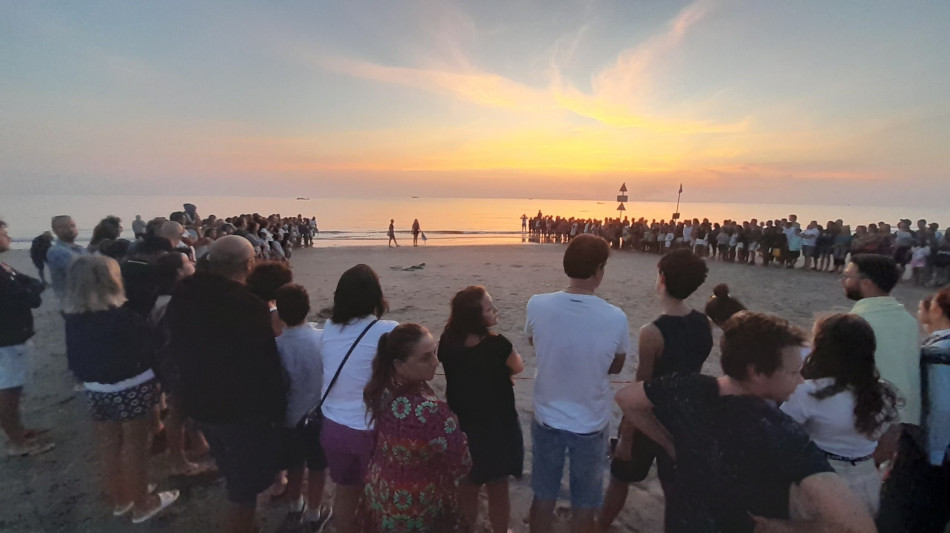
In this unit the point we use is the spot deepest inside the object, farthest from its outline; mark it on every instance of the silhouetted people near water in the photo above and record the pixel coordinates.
(415, 232)
(392, 233)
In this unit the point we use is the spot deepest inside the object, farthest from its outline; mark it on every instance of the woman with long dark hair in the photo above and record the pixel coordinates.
(843, 404)
(478, 367)
(347, 434)
(421, 453)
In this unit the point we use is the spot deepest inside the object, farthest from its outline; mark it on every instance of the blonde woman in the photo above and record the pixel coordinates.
(110, 350)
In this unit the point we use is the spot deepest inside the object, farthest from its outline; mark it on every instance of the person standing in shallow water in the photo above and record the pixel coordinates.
(391, 233)
(415, 232)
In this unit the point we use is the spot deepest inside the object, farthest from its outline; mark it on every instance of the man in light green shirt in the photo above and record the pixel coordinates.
(869, 279)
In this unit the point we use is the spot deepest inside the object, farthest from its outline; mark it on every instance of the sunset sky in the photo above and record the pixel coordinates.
(755, 101)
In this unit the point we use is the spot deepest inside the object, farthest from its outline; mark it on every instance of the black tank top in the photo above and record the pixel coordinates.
(687, 341)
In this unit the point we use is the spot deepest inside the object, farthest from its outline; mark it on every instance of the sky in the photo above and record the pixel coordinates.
(844, 102)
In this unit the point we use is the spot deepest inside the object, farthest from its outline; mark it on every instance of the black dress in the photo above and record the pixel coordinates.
(479, 391)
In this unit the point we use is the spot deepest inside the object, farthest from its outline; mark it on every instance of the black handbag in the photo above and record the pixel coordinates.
(309, 426)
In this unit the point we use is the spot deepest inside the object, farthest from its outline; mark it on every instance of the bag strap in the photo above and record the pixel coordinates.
(339, 369)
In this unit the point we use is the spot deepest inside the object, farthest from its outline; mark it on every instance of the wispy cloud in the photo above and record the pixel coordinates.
(616, 99)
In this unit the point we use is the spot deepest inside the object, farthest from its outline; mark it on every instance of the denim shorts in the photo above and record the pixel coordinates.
(587, 454)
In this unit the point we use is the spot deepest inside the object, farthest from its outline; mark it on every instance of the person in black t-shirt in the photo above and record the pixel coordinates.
(479, 366)
(679, 340)
(741, 464)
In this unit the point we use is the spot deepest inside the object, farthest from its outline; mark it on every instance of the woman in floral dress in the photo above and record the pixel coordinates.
(421, 453)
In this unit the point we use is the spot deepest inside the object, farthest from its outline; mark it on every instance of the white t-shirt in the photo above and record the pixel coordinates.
(576, 337)
(345, 404)
(829, 421)
(299, 349)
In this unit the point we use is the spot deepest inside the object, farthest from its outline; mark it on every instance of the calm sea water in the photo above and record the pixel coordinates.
(446, 221)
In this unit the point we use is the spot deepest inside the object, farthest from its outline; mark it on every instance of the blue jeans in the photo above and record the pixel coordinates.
(588, 462)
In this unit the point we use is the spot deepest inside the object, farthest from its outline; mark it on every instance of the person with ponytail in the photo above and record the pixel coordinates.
(479, 366)
(843, 404)
(421, 452)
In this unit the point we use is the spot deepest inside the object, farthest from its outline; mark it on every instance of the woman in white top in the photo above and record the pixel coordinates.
(843, 404)
(347, 433)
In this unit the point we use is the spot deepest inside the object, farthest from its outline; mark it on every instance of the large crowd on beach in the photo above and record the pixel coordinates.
(921, 251)
(196, 332)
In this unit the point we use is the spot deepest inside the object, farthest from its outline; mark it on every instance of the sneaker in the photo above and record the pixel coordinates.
(318, 525)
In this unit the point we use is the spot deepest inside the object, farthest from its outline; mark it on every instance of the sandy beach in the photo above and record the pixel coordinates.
(60, 490)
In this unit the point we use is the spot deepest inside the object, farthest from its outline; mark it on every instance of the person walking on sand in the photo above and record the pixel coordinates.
(415, 232)
(391, 233)
(19, 295)
(579, 339)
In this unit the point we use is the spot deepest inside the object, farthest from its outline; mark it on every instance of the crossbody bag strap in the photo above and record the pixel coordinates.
(338, 370)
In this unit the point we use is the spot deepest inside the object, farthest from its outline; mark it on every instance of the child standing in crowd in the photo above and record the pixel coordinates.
(299, 348)
(479, 366)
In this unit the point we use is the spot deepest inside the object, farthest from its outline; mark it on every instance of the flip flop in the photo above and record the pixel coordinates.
(165, 499)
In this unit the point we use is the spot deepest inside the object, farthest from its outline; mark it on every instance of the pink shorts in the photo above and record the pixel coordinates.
(348, 452)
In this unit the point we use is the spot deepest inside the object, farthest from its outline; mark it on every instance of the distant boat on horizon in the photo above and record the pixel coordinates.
(302, 198)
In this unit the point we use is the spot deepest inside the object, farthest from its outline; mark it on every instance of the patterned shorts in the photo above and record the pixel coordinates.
(122, 406)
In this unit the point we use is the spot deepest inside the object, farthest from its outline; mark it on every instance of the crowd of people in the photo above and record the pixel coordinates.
(202, 316)
(922, 251)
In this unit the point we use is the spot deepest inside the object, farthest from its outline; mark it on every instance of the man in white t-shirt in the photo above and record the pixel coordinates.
(579, 340)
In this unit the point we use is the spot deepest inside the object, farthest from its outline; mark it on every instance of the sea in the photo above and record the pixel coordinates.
(445, 221)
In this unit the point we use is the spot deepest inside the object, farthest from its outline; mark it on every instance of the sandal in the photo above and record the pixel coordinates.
(164, 500)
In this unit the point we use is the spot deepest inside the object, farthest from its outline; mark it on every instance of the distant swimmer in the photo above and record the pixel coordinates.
(415, 232)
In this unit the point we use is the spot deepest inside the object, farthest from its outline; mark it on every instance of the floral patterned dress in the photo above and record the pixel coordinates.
(420, 455)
